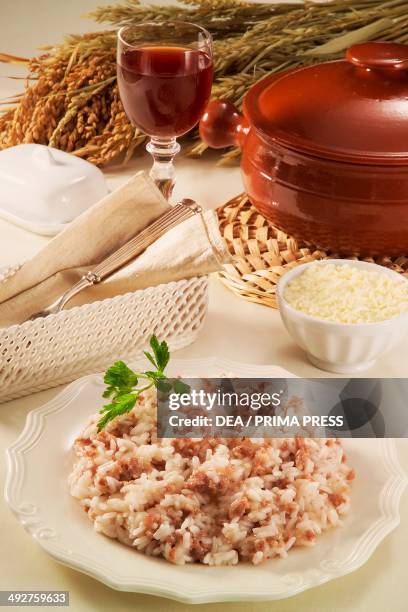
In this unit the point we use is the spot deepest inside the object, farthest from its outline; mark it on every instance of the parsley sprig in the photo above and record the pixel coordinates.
(121, 382)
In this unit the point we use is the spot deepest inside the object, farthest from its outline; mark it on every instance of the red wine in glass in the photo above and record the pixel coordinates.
(165, 73)
(164, 90)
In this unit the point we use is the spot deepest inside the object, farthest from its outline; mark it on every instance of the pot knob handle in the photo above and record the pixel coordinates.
(222, 125)
(379, 55)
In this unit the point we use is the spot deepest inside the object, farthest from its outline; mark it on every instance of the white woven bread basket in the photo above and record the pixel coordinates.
(55, 350)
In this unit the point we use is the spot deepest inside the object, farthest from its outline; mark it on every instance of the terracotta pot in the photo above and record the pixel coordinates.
(325, 149)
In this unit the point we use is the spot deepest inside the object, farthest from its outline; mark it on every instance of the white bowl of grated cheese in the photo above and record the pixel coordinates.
(344, 313)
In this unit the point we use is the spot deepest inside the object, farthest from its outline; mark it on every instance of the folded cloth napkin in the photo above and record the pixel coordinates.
(193, 248)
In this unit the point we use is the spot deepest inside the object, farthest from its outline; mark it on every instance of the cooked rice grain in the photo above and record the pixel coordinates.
(214, 501)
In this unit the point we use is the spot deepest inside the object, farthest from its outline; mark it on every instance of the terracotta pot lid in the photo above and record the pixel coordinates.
(353, 110)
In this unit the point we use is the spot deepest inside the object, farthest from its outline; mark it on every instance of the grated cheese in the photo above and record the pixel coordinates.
(347, 294)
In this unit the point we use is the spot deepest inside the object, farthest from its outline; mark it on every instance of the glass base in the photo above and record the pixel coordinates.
(162, 172)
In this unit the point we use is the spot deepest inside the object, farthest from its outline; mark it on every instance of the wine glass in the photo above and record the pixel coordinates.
(165, 73)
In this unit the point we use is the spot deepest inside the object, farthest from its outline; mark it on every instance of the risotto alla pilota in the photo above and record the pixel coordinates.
(213, 501)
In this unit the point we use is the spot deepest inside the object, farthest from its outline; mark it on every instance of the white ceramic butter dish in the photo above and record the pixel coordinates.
(43, 189)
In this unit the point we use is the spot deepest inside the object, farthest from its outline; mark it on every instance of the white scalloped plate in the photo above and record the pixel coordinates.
(36, 490)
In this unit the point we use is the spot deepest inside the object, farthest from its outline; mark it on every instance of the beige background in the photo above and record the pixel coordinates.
(234, 329)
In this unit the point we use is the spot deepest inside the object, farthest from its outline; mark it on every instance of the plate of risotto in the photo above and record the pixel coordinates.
(198, 520)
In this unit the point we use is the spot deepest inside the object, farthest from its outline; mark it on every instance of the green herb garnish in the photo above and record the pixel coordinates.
(121, 382)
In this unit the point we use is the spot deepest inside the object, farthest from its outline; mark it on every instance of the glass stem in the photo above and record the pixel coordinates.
(163, 152)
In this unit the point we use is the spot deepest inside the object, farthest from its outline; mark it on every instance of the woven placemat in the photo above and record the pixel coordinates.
(261, 253)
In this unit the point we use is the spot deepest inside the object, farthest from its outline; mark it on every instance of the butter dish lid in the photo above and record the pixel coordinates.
(43, 189)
